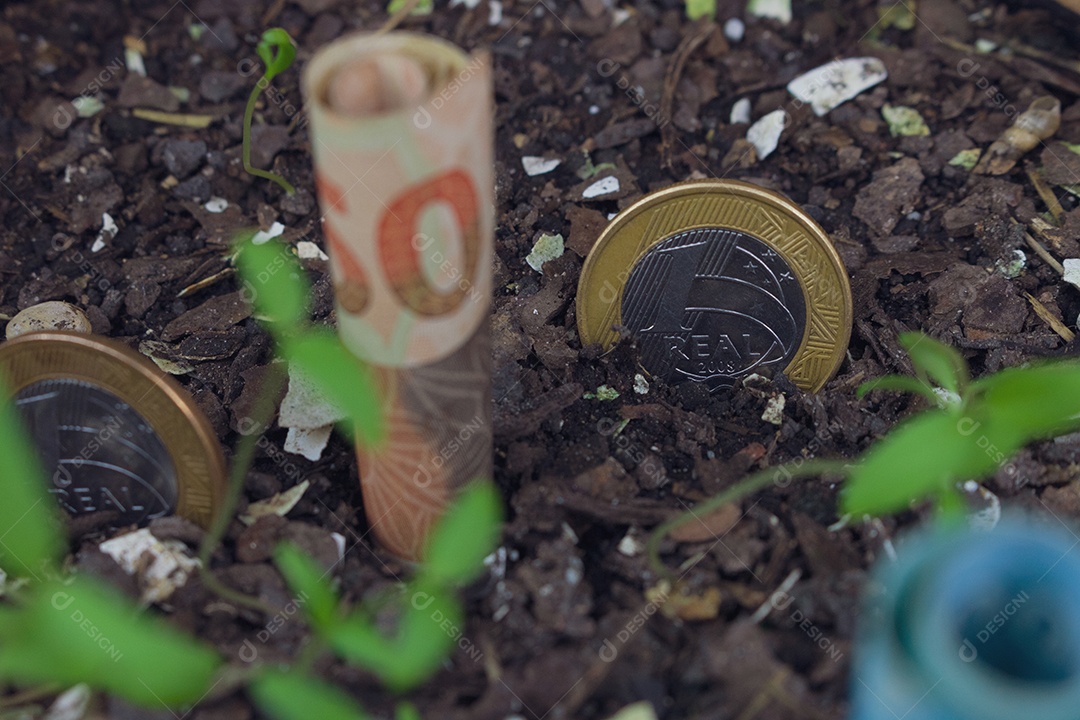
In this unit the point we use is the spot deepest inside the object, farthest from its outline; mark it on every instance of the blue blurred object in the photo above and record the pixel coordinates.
(973, 625)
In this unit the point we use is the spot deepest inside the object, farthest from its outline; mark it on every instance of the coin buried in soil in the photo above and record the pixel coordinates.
(113, 433)
(716, 280)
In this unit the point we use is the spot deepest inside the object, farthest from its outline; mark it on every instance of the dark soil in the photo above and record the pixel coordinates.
(561, 626)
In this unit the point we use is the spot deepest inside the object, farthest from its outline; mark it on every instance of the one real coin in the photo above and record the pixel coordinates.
(114, 433)
(716, 280)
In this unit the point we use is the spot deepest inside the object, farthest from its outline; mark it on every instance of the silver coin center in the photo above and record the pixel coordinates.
(712, 305)
(102, 453)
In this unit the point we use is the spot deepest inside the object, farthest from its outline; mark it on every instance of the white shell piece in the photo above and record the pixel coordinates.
(832, 84)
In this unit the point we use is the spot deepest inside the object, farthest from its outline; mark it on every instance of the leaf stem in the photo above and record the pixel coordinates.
(249, 114)
(245, 453)
(750, 484)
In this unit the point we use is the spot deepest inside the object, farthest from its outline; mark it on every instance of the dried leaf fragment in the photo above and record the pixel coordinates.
(279, 504)
(1039, 122)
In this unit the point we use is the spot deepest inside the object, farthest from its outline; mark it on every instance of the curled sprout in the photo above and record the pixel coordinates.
(276, 39)
(277, 51)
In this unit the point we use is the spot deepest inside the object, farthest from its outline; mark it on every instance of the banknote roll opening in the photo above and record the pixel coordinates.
(403, 144)
(376, 85)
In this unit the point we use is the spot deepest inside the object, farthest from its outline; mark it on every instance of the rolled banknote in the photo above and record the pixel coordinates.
(401, 132)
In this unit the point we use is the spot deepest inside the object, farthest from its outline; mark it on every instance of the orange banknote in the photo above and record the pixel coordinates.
(401, 133)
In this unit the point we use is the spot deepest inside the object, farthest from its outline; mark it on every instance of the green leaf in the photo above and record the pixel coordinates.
(1037, 402)
(306, 579)
(904, 121)
(943, 364)
(274, 282)
(463, 537)
(277, 51)
(921, 458)
(406, 711)
(966, 159)
(902, 383)
(358, 640)
(30, 536)
(279, 291)
(696, 9)
(292, 696)
(339, 374)
(430, 626)
(423, 7)
(84, 631)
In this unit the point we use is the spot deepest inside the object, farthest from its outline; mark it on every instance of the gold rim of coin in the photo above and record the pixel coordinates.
(763, 214)
(168, 409)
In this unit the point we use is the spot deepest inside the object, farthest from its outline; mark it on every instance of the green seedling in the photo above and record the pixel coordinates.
(284, 695)
(277, 51)
(697, 9)
(279, 293)
(412, 7)
(58, 630)
(33, 542)
(428, 612)
(428, 604)
(972, 429)
(66, 631)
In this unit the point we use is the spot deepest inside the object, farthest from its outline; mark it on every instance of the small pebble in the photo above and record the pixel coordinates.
(216, 205)
(266, 142)
(641, 385)
(764, 135)
(218, 85)
(604, 186)
(51, 315)
(307, 250)
(196, 188)
(264, 236)
(535, 165)
(141, 91)
(629, 546)
(302, 202)
(734, 29)
(774, 410)
(183, 157)
(740, 112)
(1072, 272)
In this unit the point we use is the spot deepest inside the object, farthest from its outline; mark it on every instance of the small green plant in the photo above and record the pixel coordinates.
(412, 7)
(696, 9)
(65, 630)
(278, 290)
(428, 604)
(57, 630)
(428, 614)
(277, 51)
(699, 9)
(972, 428)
